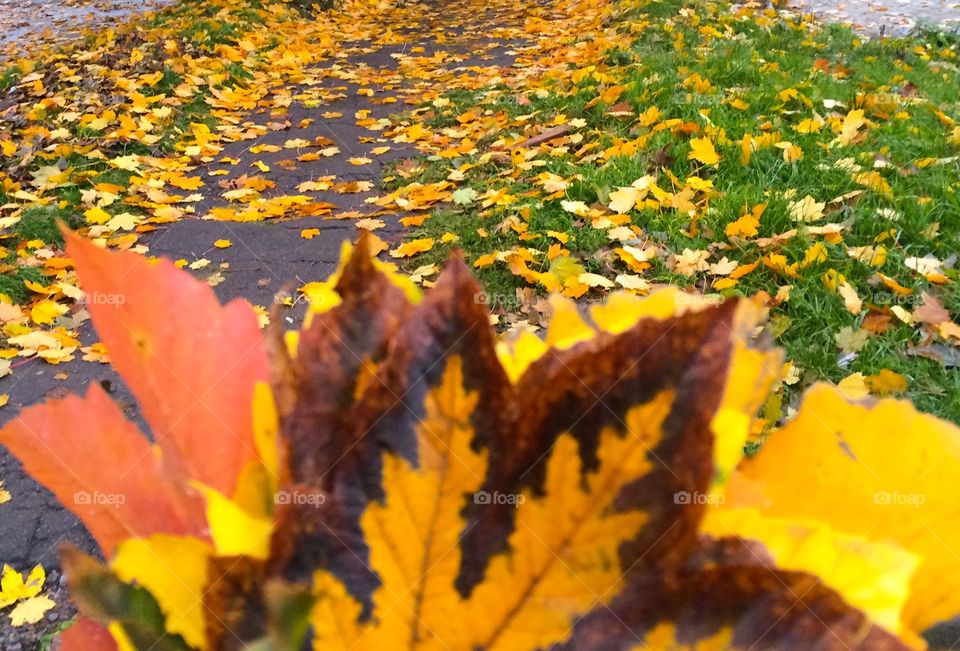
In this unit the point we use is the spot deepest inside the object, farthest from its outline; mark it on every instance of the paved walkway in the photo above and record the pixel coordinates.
(890, 17)
(24, 23)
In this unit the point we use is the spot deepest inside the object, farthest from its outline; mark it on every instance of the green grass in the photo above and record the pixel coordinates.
(8, 78)
(41, 223)
(46, 642)
(12, 283)
(918, 76)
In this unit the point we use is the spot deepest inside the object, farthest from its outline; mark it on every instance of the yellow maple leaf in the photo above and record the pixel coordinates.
(622, 200)
(886, 383)
(44, 312)
(838, 455)
(807, 209)
(31, 611)
(747, 225)
(13, 587)
(850, 127)
(412, 248)
(702, 150)
(97, 215)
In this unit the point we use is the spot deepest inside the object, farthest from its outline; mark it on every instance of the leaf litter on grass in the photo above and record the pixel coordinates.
(728, 149)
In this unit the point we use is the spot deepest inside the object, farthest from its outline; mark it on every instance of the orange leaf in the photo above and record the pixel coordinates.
(101, 468)
(86, 635)
(191, 362)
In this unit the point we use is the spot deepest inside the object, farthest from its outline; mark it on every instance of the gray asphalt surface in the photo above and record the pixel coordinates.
(890, 17)
(25, 23)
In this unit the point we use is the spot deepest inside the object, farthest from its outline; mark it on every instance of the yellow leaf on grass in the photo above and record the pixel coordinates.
(807, 209)
(623, 199)
(702, 150)
(97, 216)
(578, 208)
(850, 128)
(129, 163)
(854, 387)
(413, 247)
(851, 299)
(875, 181)
(746, 226)
(561, 270)
(886, 382)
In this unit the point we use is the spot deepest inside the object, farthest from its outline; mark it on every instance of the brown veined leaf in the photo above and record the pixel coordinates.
(573, 490)
(730, 596)
(449, 409)
(317, 391)
(441, 500)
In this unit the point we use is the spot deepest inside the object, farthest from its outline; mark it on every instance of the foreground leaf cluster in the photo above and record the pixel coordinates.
(393, 475)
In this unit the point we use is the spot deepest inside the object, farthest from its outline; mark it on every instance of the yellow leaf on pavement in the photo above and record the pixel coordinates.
(31, 611)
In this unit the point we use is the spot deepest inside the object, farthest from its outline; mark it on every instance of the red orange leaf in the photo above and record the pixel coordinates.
(191, 362)
(86, 635)
(102, 469)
